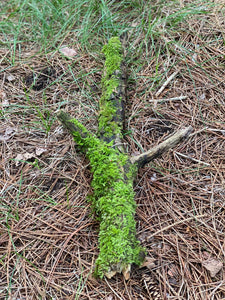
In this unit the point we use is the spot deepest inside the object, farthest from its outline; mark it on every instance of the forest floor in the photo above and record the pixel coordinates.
(48, 234)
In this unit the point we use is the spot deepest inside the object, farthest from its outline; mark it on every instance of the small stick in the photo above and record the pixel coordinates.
(158, 150)
(169, 99)
(194, 159)
(166, 83)
(216, 130)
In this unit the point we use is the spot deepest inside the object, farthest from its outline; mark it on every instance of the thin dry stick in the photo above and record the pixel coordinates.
(166, 83)
(216, 130)
(114, 292)
(161, 148)
(168, 99)
(194, 159)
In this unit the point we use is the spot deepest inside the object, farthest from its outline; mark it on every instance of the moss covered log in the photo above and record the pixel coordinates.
(113, 173)
(113, 170)
(113, 201)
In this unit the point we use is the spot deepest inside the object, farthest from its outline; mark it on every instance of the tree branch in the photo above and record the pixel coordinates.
(113, 170)
(158, 150)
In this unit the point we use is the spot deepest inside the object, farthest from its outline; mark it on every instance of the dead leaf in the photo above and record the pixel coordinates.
(23, 157)
(110, 274)
(8, 134)
(126, 272)
(187, 229)
(134, 24)
(27, 155)
(10, 78)
(149, 263)
(68, 52)
(213, 266)
(5, 101)
(205, 255)
(39, 151)
(166, 248)
(173, 271)
(173, 281)
(4, 138)
(143, 236)
(154, 177)
(2, 95)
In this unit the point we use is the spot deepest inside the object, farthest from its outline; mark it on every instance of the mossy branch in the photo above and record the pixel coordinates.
(78, 131)
(113, 170)
(113, 201)
(113, 173)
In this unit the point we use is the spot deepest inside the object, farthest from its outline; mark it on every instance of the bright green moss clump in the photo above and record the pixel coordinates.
(113, 55)
(110, 84)
(113, 201)
(113, 174)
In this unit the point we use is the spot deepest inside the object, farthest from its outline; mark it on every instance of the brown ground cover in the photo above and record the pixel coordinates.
(49, 238)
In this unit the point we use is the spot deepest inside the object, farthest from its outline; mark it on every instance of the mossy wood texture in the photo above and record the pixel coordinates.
(111, 104)
(113, 172)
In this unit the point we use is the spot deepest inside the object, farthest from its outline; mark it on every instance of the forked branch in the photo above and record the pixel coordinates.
(113, 170)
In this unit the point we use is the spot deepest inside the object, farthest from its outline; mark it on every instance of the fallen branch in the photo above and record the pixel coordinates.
(158, 150)
(113, 170)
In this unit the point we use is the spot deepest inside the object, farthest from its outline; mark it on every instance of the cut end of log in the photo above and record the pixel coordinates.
(120, 267)
(125, 270)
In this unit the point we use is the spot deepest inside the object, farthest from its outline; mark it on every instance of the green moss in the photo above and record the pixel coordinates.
(110, 83)
(113, 201)
(113, 55)
(113, 175)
